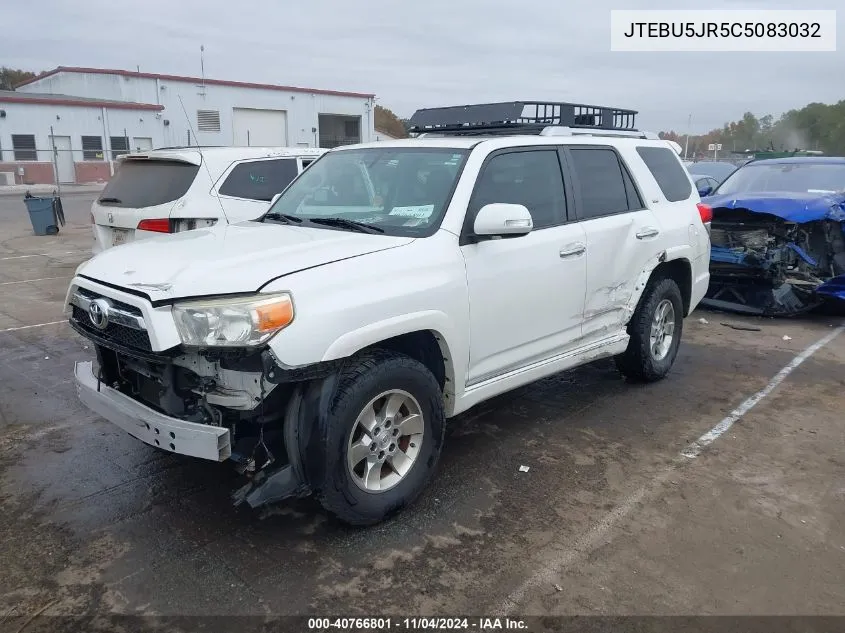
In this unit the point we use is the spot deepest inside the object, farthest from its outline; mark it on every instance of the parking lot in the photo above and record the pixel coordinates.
(610, 518)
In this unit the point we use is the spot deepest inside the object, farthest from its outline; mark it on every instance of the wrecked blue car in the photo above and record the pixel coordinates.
(778, 237)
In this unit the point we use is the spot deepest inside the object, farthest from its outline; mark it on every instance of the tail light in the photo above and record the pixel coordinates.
(157, 225)
(706, 212)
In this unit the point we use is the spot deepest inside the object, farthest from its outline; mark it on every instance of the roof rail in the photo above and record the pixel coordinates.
(555, 130)
(519, 117)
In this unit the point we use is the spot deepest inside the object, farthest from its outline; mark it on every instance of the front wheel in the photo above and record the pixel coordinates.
(383, 437)
(655, 331)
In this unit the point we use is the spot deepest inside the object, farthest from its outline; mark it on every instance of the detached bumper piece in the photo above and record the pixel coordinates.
(150, 426)
(269, 487)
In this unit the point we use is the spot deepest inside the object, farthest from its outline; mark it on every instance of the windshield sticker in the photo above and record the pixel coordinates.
(422, 212)
(414, 222)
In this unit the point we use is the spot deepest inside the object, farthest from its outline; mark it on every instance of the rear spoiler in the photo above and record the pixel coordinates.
(192, 158)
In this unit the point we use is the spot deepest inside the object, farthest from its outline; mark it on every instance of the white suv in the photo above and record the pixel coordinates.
(180, 189)
(391, 286)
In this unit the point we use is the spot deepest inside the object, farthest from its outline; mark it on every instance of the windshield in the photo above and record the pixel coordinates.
(401, 191)
(719, 171)
(791, 177)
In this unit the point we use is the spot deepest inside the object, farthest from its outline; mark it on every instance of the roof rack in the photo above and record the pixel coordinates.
(519, 117)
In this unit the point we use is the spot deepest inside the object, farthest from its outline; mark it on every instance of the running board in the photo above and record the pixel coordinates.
(489, 387)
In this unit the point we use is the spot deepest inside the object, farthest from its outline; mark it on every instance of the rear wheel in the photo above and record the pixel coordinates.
(655, 331)
(383, 437)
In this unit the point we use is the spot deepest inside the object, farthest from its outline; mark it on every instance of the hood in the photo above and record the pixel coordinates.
(796, 207)
(225, 259)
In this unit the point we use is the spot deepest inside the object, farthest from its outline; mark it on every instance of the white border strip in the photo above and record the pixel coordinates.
(27, 327)
(559, 558)
(41, 255)
(695, 448)
(28, 281)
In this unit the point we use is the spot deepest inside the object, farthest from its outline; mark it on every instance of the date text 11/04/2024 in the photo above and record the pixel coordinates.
(416, 624)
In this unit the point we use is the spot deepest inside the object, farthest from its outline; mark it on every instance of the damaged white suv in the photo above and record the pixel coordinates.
(391, 286)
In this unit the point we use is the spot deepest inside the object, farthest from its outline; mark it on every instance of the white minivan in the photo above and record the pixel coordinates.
(174, 190)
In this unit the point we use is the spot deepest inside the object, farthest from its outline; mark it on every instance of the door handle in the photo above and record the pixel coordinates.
(647, 232)
(574, 250)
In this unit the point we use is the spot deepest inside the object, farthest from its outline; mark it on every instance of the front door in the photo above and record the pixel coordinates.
(623, 236)
(64, 159)
(526, 293)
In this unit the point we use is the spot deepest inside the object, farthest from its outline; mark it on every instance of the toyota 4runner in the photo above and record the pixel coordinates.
(391, 286)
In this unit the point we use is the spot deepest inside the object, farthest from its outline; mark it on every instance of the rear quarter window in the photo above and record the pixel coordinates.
(148, 183)
(667, 170)
(259, 179)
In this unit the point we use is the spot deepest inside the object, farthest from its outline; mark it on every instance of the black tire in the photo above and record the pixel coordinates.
(638, 363)
(363, 378)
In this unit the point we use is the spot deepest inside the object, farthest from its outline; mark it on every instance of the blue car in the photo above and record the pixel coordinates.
(778, 236)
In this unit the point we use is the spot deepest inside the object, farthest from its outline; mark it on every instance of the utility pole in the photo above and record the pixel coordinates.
(686, 144)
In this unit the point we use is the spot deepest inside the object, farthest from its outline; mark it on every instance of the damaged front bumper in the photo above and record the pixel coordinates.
(147, 425)
(766, 265)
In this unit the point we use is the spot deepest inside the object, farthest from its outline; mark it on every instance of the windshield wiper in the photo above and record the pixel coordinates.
(284, 218)
(110, 200)
(361, 227)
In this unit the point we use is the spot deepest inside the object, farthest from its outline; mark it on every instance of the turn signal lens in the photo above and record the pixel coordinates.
(274, 316)
(157, 225)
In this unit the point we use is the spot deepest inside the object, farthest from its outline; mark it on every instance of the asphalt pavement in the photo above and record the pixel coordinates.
(611, 518)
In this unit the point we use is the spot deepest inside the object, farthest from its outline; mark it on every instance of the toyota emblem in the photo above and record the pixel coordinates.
(98, 313)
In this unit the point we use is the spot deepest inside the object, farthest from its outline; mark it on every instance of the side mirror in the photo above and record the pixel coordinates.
(275, 198)
(705, 191)
(503, 219)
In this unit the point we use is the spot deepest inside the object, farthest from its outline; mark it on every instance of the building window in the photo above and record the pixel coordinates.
(208, 120)
(119, 146)
(24, 146)
(351, 128)
(92, 148)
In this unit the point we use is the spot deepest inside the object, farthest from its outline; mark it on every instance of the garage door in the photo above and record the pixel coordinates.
(260, 127)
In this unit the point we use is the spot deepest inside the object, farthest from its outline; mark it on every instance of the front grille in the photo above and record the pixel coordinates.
(117, 304)
(114, 333)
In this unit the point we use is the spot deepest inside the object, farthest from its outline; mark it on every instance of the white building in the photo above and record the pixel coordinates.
(91, 115)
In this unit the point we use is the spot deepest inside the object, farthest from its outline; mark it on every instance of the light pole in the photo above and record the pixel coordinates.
(686, 144)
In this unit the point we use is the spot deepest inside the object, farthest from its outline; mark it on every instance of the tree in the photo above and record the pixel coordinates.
(11, 77)
(388, 122)
(816, 126)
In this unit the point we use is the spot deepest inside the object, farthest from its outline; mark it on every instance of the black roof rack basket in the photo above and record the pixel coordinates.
(519, 117)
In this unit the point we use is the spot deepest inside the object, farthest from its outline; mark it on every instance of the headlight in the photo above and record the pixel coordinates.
(237, 322)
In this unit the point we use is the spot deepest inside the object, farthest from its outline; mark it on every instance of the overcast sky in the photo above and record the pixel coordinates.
(416, 54)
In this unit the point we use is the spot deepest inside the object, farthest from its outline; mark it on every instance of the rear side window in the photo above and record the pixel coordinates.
(147, 183)
(259, 179)
(601, 183)
(667, 170)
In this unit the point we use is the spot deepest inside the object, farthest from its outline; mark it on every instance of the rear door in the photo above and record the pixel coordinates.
(142, 188)
(622, 234)
(247, 188)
